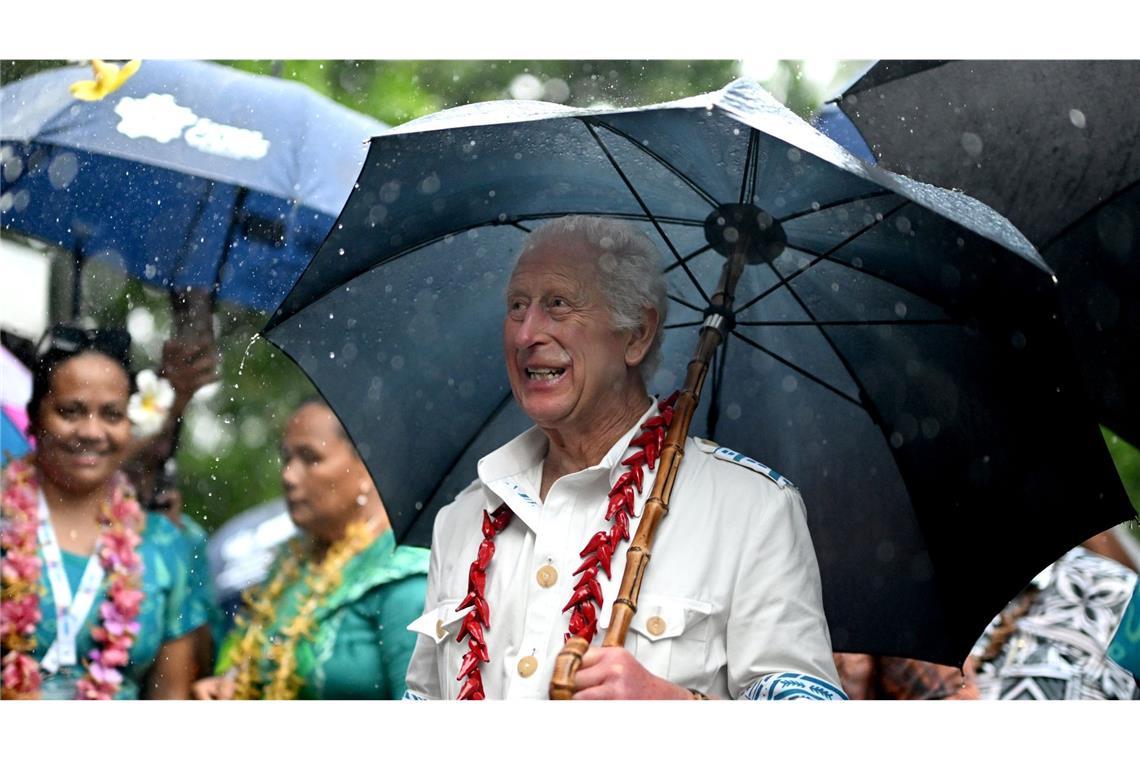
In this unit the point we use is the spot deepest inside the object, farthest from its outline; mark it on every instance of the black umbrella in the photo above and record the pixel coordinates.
(1055, 147)
(895, 351)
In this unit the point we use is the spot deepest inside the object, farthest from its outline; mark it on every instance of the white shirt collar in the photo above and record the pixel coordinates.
(502, 471)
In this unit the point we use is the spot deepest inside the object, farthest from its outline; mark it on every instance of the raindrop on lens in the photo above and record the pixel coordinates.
(1077, 117)
(62, 170)
(972, 144)
(13, 168)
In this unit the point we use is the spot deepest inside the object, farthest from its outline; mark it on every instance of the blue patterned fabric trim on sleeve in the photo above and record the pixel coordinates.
(793, 686)
(413, 697)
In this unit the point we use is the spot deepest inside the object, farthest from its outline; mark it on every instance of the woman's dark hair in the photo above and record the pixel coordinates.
(314, 399)
(65, 341)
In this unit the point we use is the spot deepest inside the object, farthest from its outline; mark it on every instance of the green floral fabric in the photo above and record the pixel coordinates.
(361, 646)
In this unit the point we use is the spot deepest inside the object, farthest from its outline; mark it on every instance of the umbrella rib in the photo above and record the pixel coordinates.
(823, 333)
(825, 256)
(837, 204)
(705, 195)
(748, 182)
(645, 208)
(688, 258)
(799, 369)
(629, 216)
(844, 323)
(683, 302)
(1087, 215)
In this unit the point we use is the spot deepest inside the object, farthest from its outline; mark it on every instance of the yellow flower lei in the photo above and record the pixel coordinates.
(282, 649)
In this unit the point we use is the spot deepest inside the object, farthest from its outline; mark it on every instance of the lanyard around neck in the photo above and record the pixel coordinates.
(69, 612)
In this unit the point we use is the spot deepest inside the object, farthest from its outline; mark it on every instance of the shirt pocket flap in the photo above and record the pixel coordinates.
(664, 617)
(440, 622)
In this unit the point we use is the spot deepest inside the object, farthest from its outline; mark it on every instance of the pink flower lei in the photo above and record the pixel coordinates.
(122, 519)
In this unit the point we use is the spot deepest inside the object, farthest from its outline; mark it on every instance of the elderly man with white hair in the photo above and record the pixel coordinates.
(533, 550)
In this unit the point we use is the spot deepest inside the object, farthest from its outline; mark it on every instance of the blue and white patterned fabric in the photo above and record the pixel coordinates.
(1060, 645)
(413, 697)
(793, 686)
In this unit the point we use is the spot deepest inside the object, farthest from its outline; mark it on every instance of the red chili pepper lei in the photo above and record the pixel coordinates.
(598, 553)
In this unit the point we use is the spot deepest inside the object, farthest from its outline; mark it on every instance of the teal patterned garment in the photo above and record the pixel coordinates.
(169, 610)
(1124, 649)
(361, 647)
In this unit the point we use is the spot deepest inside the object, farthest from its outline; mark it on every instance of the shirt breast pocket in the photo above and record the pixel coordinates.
(441, 625)
(671, 637)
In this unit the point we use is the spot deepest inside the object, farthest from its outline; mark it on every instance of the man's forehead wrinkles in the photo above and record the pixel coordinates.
(545, 281)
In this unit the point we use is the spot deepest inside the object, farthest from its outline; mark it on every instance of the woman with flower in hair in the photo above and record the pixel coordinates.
(95, 601)
(331, 620)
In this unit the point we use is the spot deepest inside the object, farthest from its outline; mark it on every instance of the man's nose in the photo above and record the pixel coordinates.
(532, 327)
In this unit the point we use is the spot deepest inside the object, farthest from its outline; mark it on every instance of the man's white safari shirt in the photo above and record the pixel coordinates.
(730, 604)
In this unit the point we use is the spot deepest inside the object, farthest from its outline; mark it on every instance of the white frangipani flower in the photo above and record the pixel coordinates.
(149, 405)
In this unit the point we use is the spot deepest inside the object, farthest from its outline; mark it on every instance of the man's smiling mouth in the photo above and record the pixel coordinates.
(544, 373)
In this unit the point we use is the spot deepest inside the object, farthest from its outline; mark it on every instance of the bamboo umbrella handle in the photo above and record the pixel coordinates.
(657, 505)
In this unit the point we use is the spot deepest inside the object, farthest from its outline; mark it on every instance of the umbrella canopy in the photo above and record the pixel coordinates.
(1052, 145)
(190, 174)
(895, 352)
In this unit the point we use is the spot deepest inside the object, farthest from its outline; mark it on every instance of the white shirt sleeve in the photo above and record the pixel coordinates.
(777, 628)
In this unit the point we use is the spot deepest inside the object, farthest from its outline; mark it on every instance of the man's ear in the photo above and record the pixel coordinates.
(641, 339)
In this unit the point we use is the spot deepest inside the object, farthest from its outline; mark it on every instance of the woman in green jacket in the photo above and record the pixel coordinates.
(331, 620)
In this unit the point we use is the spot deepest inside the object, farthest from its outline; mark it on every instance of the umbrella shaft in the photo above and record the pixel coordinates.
(657, 505)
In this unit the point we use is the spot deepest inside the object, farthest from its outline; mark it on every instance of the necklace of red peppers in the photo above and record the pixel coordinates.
(599, 551)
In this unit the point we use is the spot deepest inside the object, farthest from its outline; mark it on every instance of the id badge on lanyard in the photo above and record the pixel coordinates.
(69, 612)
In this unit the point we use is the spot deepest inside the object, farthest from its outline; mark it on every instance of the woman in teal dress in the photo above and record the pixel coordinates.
(331, 620)
(96, 593)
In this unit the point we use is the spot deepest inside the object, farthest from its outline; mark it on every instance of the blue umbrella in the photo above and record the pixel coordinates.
(190, 174)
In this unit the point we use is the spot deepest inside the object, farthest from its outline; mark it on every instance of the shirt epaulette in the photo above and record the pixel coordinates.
(728, 455)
